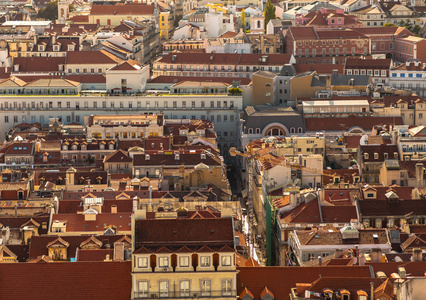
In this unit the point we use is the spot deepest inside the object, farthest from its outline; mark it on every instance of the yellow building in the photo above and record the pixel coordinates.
(185, 258)
(166, 23)
(217, 8)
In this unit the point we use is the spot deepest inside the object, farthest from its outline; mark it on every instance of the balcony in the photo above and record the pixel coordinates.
(185, 295)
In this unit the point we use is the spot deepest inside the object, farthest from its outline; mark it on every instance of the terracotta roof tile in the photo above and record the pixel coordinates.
(346, 123)
(129, 9)
(255, 279)
(113, 277)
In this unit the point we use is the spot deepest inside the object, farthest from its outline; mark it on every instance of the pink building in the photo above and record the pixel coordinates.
(327, 19)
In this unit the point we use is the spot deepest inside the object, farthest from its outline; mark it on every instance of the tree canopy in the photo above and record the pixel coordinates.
(414, 28)
(50, 12)
(243, 19)
(269, 12)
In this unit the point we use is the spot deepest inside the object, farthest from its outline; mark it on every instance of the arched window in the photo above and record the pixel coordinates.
(293, 130)
(250, 131)
(275, 132)
(257, 130)
(300, 130)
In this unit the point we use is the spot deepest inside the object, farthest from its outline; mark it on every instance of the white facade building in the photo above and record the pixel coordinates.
(223, 111)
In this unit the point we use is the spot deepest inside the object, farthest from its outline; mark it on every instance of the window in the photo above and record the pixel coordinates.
(6, 119)
(164, 288)
(226, 261)
(143, 289)
(163, 262)
(376, 155)
(142, 262)
(184, 288)
(365, 155)
(206, 286)
(205, 261)
(184, 261)
(226, 287)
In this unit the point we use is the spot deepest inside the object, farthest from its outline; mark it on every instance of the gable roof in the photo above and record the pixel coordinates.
(256, 279)
(89, 58)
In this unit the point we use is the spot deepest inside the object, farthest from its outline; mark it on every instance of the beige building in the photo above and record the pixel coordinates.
(187, 258)
(124, 126)
(113, 15)
(264, 89)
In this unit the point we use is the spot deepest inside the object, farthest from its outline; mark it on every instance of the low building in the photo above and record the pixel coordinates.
(307, 245)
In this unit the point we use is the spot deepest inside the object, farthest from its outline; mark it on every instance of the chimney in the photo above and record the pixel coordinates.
(417, 254)
(114, 209)
(419, 174)
(319, 261)
(118, 251)
(371, 290)
(376, 255)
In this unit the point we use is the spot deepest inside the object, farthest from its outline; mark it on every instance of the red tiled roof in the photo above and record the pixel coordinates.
(225, 59)
(76, 222)
(95, 254)
(339, 213)
(113, 280)
(88, 57)
(38, 244)
(39, 64)
(303, 33)
(118, 156)
(129, 9)
(362, 63)
(180, 232)
(346, 123)
(255, 279)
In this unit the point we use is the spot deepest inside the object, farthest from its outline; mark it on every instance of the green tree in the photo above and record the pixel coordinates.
(389, 25)
(269, 12)
(50, 12)
(243, 19)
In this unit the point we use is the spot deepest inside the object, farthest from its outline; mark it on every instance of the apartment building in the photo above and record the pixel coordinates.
(223, 111)
(185, 258)
(378, 69)
(411, 76)
(218, 64)
(311, 46)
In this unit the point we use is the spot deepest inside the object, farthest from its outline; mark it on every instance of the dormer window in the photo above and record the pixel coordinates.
(205, 261)
(184, 261)
(65, 147)
(395, 155)
(41, 47)
(163, 262)
(56, 48)
(111, 146)
(385, 155)
(376, 155)
(71, 47)
(226, 260)
(142, 262)
(365, 155)
(74, 147)
(101, 146)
